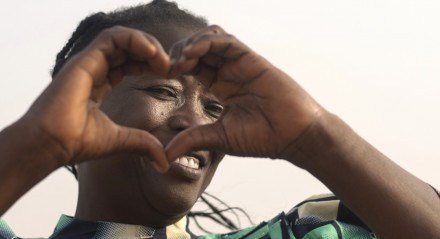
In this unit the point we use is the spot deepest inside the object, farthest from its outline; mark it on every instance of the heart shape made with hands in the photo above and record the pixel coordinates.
(264, 109)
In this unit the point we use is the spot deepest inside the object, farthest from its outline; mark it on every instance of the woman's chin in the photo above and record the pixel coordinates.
(169, 195)
(174, 204)
(171, 210)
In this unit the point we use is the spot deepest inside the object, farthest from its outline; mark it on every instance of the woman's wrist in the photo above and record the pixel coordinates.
(26, 157)
(29, 143)
(314, 143)
(329, 143)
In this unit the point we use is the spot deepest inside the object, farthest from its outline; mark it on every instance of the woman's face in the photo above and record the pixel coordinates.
(127, 185)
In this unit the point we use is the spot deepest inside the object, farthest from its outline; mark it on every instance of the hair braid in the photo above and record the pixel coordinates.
(92, 21)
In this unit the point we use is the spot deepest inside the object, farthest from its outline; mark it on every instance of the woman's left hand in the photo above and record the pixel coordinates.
(265, 111)
(267, 114)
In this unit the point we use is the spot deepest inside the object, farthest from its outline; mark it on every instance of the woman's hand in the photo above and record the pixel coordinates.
(268, 115)
(265, 110)
(68, 111)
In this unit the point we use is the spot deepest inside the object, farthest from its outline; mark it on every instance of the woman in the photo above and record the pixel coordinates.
(117, 99)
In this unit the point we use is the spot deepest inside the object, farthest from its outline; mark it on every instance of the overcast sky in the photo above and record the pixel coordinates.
(373, 63)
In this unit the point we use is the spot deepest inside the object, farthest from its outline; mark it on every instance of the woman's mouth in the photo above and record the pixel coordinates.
(189, 162)
(188, 167)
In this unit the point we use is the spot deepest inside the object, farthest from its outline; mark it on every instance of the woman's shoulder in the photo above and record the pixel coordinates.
(320, 216)
(5, 231)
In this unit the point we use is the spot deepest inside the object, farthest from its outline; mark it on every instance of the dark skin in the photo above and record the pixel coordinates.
(139, 193)
(267, 114)
(163, 107)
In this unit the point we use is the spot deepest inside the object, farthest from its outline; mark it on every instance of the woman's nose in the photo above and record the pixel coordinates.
(186, 116)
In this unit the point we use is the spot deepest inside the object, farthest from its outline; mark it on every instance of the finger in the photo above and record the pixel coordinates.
(189, 65)
(212, 60)
(129, 68)
(183, 67)
(211, 30)
(139, 141)
(135, 44)
(196, 138)
(90, 67)
(179, 63)
(160, 62)
(176, 50)
(175, 53)
(213, 51)
(224, 45)
(205, 74)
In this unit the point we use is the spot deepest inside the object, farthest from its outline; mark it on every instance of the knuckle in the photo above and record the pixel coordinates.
(103, 35)
(109, 32)
(106, 33)
(216, 29)
(153, 40)
(203, 38)
(150, 37)
(117, 28)
(231, 38)
(139, 33)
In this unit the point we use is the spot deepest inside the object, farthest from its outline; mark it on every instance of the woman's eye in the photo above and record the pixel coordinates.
(162, 92)
(214, 109)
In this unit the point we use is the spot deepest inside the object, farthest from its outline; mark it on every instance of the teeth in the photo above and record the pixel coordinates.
(191, 163)
(184, 161)
(188, 162)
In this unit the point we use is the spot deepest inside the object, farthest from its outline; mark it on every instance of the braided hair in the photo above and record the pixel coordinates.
(147, 17)
(151, 18)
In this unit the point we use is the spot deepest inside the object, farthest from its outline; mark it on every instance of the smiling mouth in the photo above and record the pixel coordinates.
(188, 167)
(193, 161)
(189, 162)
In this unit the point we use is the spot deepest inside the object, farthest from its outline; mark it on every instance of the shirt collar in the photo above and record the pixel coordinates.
(70, 226)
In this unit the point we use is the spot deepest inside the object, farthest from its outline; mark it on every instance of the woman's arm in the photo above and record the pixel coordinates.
(390, 200)
(267, 114)
(65, 125)
(26, 157)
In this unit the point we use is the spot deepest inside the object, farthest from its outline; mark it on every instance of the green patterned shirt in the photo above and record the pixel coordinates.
(318, 217)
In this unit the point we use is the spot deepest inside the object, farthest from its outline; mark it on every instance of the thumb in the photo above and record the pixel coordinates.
(142, 142)
(208, 136)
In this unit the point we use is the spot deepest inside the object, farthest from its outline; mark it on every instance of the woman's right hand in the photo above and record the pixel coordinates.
(67, 112)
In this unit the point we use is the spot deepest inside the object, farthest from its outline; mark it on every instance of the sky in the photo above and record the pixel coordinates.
(373, 63)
